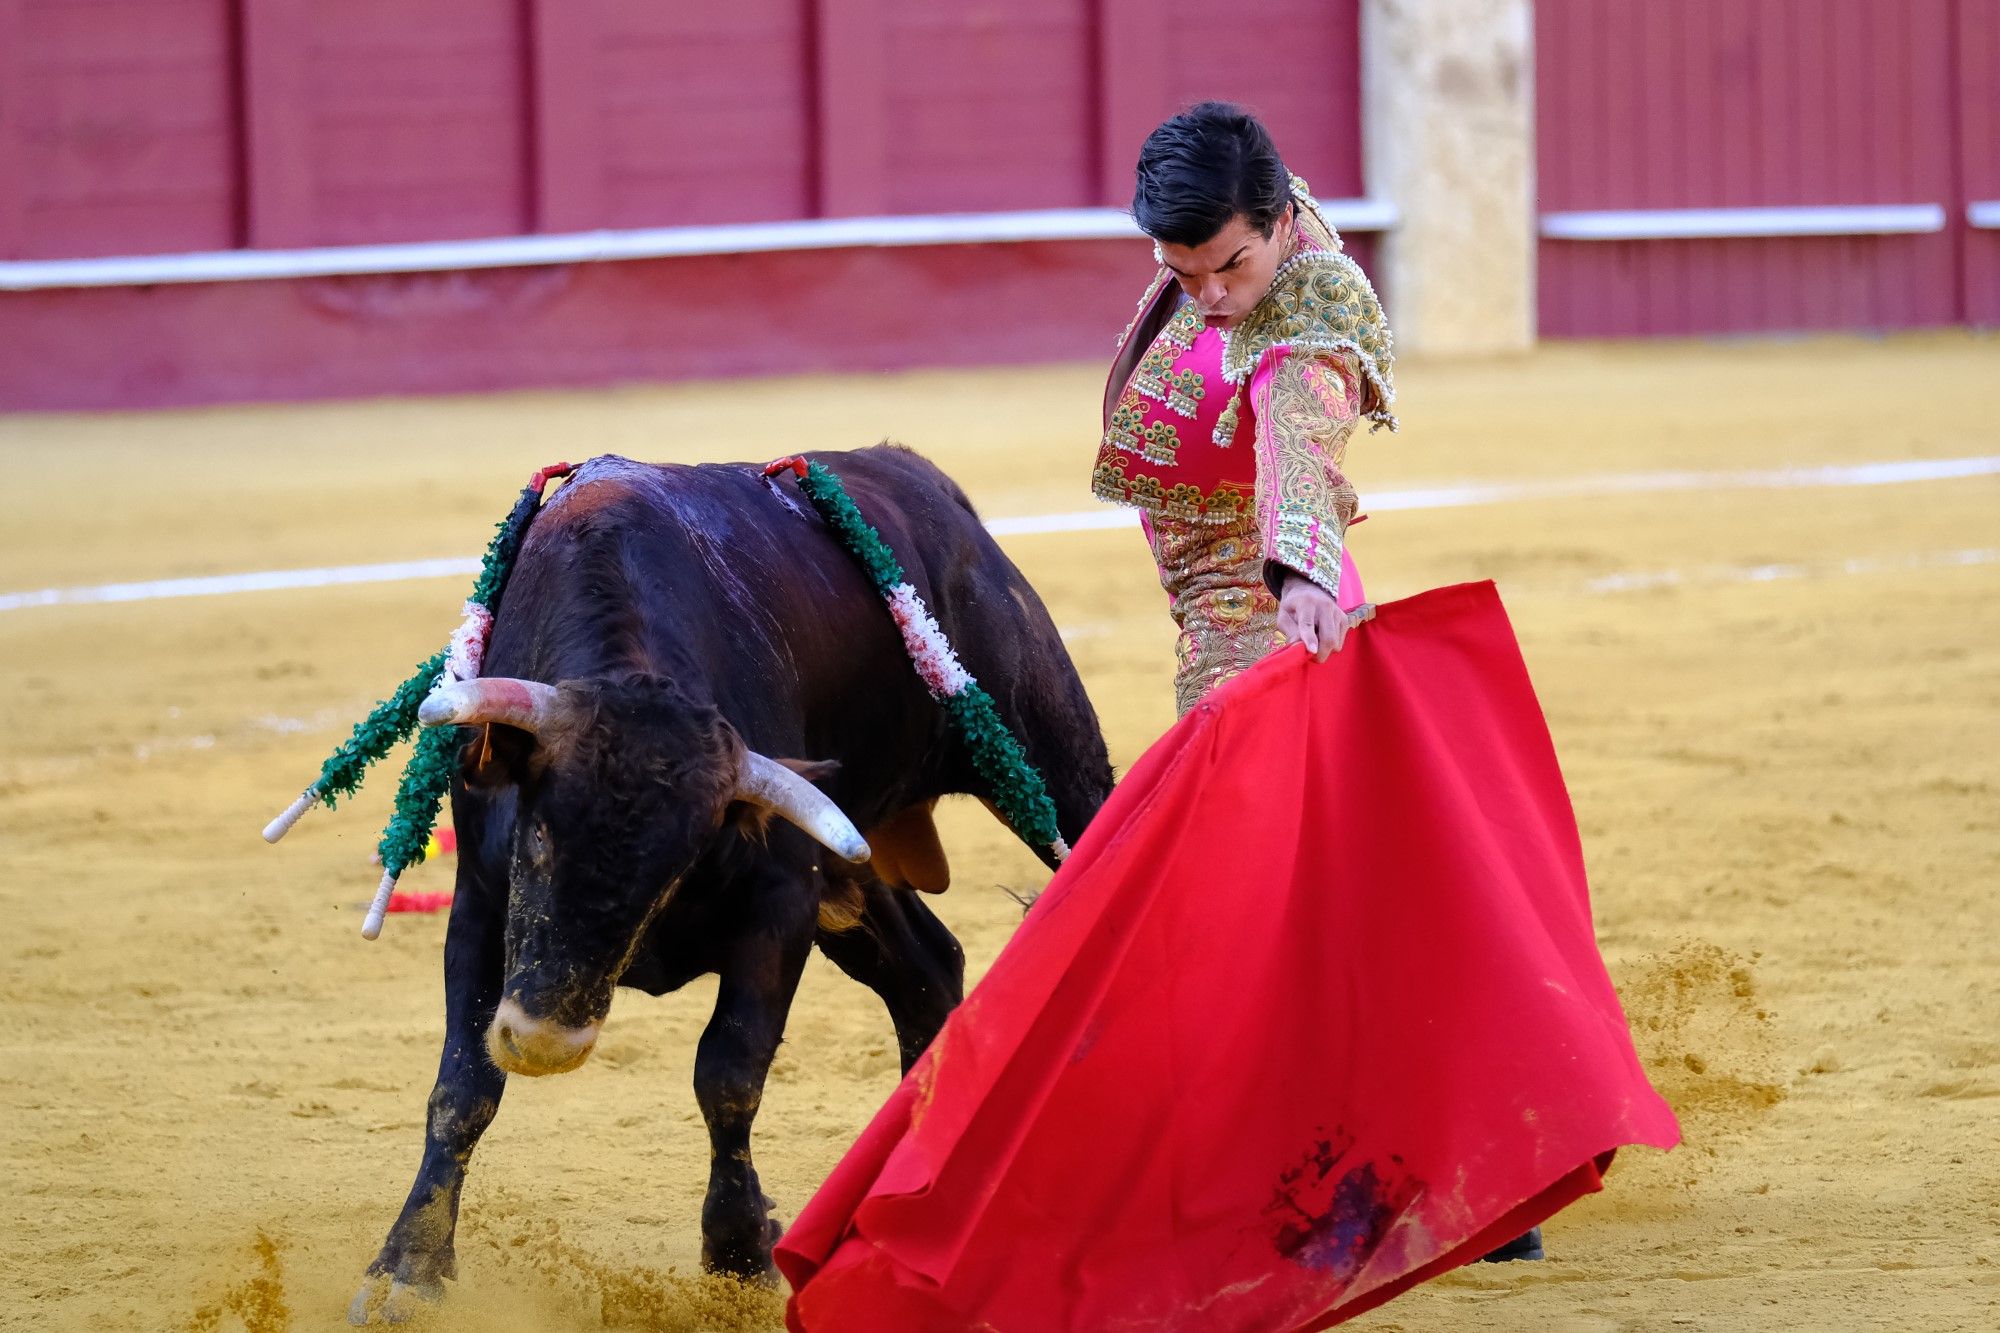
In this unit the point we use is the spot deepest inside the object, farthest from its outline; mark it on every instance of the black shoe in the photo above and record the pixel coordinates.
(1527, 1245)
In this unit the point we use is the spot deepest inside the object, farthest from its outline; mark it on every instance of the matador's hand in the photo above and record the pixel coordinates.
(1308, 614)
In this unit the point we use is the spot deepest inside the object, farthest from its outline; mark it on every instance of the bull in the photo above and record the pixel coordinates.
(693, 702)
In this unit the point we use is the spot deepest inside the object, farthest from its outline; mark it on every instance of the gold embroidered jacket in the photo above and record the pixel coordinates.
(1312, 358)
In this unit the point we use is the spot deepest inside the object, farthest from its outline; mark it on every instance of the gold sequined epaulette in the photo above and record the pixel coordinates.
(1320, 301)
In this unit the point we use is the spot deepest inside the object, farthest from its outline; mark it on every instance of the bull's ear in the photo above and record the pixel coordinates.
(813, 770)
(497, 755)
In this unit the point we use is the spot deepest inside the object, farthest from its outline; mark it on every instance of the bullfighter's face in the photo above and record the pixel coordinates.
(1230, 273)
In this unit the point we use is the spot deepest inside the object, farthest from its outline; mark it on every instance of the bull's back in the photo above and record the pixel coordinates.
(710, 574)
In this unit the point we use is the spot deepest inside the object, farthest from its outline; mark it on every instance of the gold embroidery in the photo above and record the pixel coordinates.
(1229, 502)
(1225, 425)
(1129, 433)
(1184, 327)
(1320, 301)
(1185, 390)
(1228, 619)
(1126, 419)
(1153, 289)
(1159, 442)
(1154, 377)
(1303, 422)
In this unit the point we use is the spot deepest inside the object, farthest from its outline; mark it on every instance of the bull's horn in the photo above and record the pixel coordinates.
(768, 783)
(526, 704)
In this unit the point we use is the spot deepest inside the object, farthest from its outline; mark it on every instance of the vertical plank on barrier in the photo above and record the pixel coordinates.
(13, 149)
(278, 186)
(850, 69)
(1977, 112)
(566, 183)
(1133, 90)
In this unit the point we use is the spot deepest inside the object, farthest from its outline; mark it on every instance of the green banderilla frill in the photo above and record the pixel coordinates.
(427, 776)
(1020, 794)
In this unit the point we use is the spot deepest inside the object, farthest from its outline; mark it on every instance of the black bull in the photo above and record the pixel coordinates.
(689, 619)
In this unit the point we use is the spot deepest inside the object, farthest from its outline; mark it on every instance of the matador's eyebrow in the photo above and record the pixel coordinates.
(1227, 264)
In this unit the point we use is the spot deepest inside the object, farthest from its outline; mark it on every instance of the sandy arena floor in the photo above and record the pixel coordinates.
(1786, 765)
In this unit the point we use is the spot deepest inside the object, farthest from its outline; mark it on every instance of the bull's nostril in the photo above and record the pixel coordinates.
(507, 1041)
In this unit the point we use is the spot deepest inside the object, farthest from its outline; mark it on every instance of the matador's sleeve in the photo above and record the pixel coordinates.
(1306, 404)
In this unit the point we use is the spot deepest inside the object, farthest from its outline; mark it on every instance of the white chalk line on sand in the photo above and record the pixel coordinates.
(1773, 573)
(1455, 496)
(1650, 580)
(328, 719)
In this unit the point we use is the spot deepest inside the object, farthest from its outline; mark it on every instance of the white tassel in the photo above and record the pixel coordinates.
(468, 644)
(1061, 849)
(371, 926)
(930, 652)
(294, 812)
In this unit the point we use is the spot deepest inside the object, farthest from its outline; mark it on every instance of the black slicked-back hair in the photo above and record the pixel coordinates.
(1203, 167)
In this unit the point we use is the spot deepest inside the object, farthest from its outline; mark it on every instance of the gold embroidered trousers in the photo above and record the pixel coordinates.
(1214, 577)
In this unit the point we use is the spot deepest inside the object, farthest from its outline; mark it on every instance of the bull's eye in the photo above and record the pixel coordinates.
(538, 841)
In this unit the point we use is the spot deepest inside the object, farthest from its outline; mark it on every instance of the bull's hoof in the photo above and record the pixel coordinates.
(1527, 1245)
(749, 1263)
(755, 1269)
(392, 1300)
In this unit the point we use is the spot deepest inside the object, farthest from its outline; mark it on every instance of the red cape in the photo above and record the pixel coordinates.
(1314, 1012)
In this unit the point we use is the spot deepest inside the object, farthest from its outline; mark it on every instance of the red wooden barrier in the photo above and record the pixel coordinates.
(1979, 153)
(117, 128)
(703, 111)
(150, 126)
(1707, 104)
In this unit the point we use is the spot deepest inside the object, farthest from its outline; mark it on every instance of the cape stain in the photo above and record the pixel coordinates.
(1329, 1215)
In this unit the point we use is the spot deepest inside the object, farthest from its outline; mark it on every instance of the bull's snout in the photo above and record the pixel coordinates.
(520, 1044)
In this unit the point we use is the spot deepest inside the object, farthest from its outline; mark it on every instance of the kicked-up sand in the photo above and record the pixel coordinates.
(1778, 708)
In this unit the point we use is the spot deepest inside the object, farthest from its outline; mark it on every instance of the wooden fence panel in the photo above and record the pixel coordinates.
(705, 111)
(118, 129)
(1979, 154)
(989, 105)
(415, 119)
(159, 127)
(1734, 104)
(1297, 66)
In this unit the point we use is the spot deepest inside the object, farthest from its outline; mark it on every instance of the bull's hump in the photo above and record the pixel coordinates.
(705, 500)
(601, 481)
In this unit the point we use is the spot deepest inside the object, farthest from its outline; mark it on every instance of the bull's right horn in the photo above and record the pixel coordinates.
(527, 704)
(766, 782)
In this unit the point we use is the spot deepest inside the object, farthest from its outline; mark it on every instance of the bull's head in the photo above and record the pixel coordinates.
(618, 787)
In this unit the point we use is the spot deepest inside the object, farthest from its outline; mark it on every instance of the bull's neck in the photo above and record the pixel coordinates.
(581, 611)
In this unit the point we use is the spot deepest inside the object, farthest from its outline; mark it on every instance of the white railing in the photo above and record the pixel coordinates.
(1660, 224)
(1054, 224)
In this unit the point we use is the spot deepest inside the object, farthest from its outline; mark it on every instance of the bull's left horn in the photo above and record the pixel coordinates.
(526, 704)
(768, 783)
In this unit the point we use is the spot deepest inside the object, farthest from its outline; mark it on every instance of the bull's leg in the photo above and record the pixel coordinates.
(902, 952)
(418, 1254)
(759, 976)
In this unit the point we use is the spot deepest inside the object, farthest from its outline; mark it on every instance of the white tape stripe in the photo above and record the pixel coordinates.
(1657, 224)
(1051, 224)
(270, 580)
(1641, 581)
(1646, 483)
(1038, 525)
(1416, 498)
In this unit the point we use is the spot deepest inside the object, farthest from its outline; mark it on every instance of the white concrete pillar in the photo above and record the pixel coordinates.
(1448, 103)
